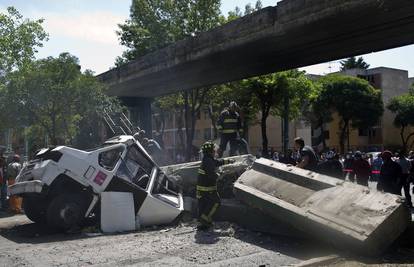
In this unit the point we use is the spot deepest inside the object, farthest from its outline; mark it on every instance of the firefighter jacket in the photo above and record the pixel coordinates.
(207, 176)
(229, 122)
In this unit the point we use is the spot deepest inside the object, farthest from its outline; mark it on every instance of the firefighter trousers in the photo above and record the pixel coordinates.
(228, 138)
(208, 203)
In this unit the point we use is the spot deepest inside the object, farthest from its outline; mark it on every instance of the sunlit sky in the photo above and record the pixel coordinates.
(86, 29)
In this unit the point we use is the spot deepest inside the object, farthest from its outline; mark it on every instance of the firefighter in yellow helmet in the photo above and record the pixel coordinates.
(230, 128)
(207, 195)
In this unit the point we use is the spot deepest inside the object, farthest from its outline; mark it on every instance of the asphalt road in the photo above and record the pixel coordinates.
(23, 243)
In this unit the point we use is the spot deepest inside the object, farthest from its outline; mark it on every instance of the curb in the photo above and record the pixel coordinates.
(319, 261)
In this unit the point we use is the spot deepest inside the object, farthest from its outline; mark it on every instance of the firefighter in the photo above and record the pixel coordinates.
(230, 127)
(207, 195)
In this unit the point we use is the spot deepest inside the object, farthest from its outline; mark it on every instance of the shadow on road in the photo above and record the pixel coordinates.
(34, 233)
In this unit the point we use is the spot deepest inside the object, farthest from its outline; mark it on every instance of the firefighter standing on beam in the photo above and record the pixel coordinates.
(207, 195)
(230, 127)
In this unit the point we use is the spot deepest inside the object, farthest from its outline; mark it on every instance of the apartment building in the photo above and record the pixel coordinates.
(391, 82)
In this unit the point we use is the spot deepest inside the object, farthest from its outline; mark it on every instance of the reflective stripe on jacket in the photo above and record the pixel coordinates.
(229, 122)
(207, 176)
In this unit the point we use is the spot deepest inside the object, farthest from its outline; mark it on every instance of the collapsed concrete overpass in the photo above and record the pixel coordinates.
(295, 33)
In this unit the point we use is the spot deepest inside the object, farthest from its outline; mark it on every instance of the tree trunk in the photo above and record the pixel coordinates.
(286, 125)
(408, 140)
(265, 114)
(323, 136)
(180, 133)
(187, 127)
(213, 122)
(403, 140)
(343, 135)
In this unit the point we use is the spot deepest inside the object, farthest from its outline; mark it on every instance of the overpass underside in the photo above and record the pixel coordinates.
(293, 34)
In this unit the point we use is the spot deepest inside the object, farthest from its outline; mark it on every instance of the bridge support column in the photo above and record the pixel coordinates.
(140, 109)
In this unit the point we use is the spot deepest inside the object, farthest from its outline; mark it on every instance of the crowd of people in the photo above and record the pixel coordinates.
(392, 172)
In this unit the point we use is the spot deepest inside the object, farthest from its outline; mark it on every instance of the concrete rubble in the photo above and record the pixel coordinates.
(185, 175)
(346, 215)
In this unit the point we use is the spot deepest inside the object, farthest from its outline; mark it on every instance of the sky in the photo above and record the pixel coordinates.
(87, 29)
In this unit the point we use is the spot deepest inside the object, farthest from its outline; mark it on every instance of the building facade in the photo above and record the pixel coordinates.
(391, 82)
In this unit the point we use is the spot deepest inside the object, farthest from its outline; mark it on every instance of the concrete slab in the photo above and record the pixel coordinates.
(186, 174)
(346, 215)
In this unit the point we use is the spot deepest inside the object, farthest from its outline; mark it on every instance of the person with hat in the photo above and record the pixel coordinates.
(13, 169)
(361, 169)
(207, 195)
(390, 175)
(230, 128)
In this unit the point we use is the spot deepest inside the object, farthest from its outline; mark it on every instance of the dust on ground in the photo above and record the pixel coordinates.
(23, 243)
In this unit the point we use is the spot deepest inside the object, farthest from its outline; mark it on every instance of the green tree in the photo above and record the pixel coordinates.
(219, 97)
(354, 63)
(283, 94)
(318, 111)
(157, 23)
(19, 39)
(53, 96)
(264, 91)
(403, 107)
(293, 97)
(358, 104)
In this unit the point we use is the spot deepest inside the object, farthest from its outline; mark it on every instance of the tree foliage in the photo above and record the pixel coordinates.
(354, 63)
(19, 39)
(403, 107)
(153, 24)
(248, 9)
(357, 103)
(53, 96)
(271, 92)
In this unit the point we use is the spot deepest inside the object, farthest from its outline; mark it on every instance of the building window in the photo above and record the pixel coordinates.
(363, 132)
(326, 135)
(206, 115)
(197, 134)
(207, 134)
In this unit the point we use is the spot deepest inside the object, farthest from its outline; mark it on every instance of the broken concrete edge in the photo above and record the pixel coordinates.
(320, 261)
(387, 228)
(315, 228)
(258, 188)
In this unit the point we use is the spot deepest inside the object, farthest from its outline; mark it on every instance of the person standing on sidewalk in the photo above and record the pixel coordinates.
(405, 181)
(390, 175)
(13, 169)
(361, 169)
